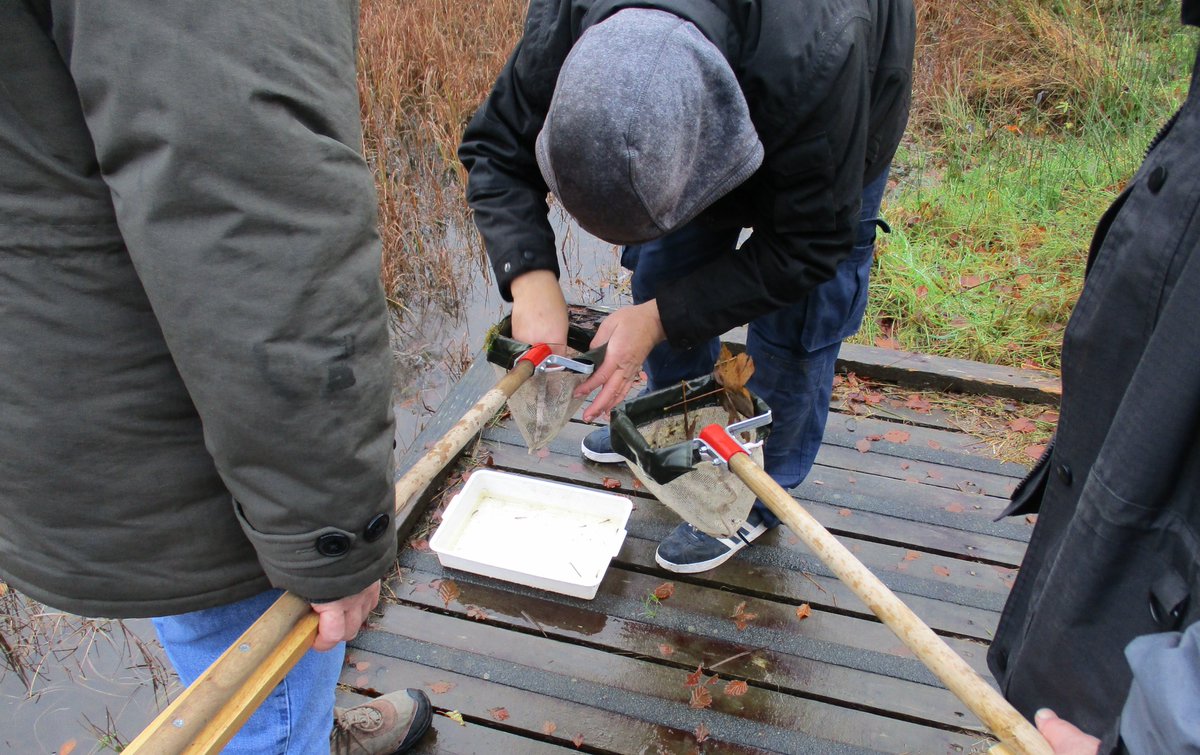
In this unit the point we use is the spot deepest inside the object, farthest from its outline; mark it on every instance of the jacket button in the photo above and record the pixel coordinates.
(528, 255)
(333, 544)
(1156, 179)
(1064, 474)
(508, 267)
(376, 527)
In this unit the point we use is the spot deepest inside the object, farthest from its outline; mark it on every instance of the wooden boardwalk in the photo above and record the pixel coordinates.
(727, 663)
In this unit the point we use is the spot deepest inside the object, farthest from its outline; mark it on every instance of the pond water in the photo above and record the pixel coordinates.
(89, 686)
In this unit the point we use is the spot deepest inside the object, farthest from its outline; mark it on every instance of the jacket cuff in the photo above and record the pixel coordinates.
(328, 563)
(509, 265)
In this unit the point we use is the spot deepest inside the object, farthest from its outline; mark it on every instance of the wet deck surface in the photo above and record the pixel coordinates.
(532, 671)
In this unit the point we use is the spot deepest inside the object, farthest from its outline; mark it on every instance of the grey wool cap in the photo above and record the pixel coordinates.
(646, 128)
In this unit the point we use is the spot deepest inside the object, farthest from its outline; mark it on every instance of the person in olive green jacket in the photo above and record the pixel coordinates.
(195, 406)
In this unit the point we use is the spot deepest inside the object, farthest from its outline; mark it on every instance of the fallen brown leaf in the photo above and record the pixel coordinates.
(362, 665)
(863, 445)
(448, 591)
(421, 545)
(741, 618)
(611, 483)
(68, 747)
(477, 613)
(803, 611)
(500, 714)
(440, 688)
(549, 727)
(666, 649)
(701, 733)
(897, 436)
(694, 678)
(844, 512)
(911, 555)
(934, 445)
(955, 508)
(577, 740)
(1022, 425)
(1031, 518)
(701, 697)
(664, 591)
(918, 404)
(1035, 452)
(941, 571)
(736, 688)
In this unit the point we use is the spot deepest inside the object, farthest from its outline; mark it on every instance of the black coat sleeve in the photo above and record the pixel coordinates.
(505, 189)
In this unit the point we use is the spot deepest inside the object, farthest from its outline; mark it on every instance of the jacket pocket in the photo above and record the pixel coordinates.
(835, 308)
(304, 550)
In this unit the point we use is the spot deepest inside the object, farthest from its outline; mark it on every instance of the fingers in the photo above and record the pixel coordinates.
(614, 391)
(331, 629)
(1064, 737)
(340, 620)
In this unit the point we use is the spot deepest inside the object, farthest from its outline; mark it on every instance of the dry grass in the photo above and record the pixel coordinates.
(1022, 54)
(424, 67)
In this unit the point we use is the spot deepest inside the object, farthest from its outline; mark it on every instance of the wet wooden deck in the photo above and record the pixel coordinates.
(535, 672)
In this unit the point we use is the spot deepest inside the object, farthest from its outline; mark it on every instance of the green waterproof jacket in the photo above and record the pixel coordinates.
(828, 85)
(194, 367)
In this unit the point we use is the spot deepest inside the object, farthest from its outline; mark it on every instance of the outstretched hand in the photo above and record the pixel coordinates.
(539, 312)
(1065, 738)
(630, 332)
(340, 620)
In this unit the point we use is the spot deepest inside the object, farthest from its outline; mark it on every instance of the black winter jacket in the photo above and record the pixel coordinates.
(1116, 551)
(828, 85)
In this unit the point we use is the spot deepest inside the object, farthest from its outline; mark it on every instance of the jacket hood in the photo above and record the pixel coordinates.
(647, 127)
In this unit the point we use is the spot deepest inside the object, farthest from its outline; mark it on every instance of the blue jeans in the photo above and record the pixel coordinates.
(794, 349)
(297, 716)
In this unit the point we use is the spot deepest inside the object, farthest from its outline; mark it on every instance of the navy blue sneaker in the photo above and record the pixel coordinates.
(687, 550)
(597, 447)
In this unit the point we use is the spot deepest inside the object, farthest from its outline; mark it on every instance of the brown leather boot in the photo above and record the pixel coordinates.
(387, 725)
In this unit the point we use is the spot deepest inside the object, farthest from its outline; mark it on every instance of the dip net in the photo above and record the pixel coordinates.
(657, 434)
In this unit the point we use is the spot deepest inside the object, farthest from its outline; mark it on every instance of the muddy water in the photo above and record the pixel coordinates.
(94, 685)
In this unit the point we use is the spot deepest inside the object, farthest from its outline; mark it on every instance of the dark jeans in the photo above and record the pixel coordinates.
(794, 349)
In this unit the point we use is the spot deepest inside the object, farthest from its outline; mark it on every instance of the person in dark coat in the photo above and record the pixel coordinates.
(195, 406)
(1100, 638)
(668, 127)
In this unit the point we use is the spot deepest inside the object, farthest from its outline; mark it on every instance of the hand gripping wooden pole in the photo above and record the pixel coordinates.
(212, 709)
(1017, 736)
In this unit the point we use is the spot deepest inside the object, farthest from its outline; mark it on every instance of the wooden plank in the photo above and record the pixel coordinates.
(925, 372)
(632, 686)
(447, 737)
(849, 661)
(927, 444)
(478, 379)
(920, 472)
(949, 468)
(542, 720)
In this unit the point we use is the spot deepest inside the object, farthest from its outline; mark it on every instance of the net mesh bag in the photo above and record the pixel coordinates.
(656, 432)
(544, 403)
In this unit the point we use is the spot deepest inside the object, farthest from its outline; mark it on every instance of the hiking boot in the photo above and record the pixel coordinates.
(687, 550)
(597, 446)
(387, 725)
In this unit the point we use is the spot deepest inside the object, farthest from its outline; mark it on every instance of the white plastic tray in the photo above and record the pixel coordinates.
(533, 532)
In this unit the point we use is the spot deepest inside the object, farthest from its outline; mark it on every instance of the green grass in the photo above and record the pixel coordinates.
(995, 206)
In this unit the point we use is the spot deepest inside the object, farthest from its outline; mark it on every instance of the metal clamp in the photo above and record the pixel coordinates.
(558, 363)
(710, 454)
